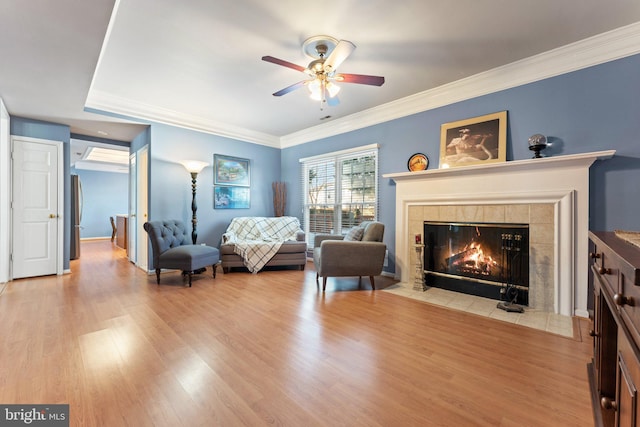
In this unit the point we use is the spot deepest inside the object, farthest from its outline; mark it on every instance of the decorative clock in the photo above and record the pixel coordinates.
(418, 162)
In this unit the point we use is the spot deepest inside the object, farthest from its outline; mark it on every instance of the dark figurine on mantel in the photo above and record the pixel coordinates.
(537, 143)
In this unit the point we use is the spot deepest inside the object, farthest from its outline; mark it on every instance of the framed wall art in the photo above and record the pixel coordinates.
(473, 141)
(228, 197)
(231, 171)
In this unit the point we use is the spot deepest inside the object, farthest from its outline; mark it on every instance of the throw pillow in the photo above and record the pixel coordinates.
(355, 234)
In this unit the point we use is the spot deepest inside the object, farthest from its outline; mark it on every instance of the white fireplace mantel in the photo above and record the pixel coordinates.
(562, 181)
(542, 164)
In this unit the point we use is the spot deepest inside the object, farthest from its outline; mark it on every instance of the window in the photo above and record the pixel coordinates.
(340, 190)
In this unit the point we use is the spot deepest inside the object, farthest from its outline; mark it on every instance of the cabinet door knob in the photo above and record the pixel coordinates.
(603, 270)
(592, 333)
(620, 299)
(594, 255)
(608, 403)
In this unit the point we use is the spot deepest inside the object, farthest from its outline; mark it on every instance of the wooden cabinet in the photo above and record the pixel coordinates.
(121, 235)
(615, 371)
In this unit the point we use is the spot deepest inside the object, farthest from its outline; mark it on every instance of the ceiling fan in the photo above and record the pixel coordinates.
(327, 53)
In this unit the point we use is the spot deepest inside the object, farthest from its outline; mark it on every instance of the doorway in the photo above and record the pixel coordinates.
(140, 215)
(102, 168)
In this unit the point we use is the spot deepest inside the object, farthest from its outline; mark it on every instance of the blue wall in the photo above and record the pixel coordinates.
(594, 109)
(170, 183)
(104, 194)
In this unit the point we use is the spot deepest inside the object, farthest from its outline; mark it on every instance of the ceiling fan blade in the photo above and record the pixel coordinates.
(291, 88)
(283, 63)
(339, 53)
(360, 78)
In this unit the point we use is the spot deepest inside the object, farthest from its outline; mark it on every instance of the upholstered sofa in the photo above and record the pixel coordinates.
(258, 242)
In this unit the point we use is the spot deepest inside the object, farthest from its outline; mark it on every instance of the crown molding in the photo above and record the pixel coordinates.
(103, 101)
(609, 46)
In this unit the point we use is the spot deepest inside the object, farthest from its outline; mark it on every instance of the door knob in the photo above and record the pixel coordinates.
(52, 215)
(603, 270)
(619, 299)
(608, 403)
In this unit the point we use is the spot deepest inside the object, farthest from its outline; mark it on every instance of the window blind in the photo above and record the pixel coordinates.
(340, 190)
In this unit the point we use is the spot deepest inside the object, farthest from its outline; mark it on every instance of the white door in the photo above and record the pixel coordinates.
(132, 223)
(37, 203)
(142, 188)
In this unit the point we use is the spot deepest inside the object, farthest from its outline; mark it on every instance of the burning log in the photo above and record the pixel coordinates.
(471, 260)
(461, 256)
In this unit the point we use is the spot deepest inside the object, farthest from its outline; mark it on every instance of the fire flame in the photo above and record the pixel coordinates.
(475, 259)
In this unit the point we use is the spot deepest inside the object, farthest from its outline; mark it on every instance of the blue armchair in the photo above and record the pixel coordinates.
(172, 248)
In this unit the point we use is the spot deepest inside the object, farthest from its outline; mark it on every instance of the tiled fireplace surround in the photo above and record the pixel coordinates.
(549, 194)
(539, 216)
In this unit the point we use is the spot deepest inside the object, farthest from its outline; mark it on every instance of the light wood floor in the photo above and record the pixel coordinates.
(270, 349)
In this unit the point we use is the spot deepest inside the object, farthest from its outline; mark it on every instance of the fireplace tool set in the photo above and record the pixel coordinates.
(512, 263)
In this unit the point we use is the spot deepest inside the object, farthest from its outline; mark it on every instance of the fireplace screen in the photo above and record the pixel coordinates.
(479, 259)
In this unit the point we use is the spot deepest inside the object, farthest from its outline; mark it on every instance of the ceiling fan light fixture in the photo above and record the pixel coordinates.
(333, 89)
(327, 54)
(315, 89)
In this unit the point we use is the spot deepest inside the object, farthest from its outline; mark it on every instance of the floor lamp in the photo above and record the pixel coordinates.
(194, 167)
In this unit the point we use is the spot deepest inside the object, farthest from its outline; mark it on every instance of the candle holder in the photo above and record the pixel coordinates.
(418, 281)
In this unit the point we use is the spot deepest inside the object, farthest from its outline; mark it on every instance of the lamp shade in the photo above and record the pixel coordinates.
(194, 166)
(333, 89)
(314, 88)
(317, 86)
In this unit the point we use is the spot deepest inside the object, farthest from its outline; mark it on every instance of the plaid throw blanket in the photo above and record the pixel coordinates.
(258, 239)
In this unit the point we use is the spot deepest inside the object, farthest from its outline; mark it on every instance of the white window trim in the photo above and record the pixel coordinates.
(336, 155)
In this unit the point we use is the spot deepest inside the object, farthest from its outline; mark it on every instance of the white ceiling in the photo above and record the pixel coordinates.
(199, 61)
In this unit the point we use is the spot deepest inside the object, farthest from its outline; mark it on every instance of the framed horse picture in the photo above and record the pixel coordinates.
(473, 141)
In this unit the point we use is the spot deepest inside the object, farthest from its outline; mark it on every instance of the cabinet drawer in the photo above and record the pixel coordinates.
(628, 299)
(627, 382)
(605, 264)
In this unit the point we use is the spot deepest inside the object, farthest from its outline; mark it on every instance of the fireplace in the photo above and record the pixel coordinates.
(515, 192)
(484, 259)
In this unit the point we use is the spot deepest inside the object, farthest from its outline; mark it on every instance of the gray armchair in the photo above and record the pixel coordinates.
(172, 248)
(339, 256)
